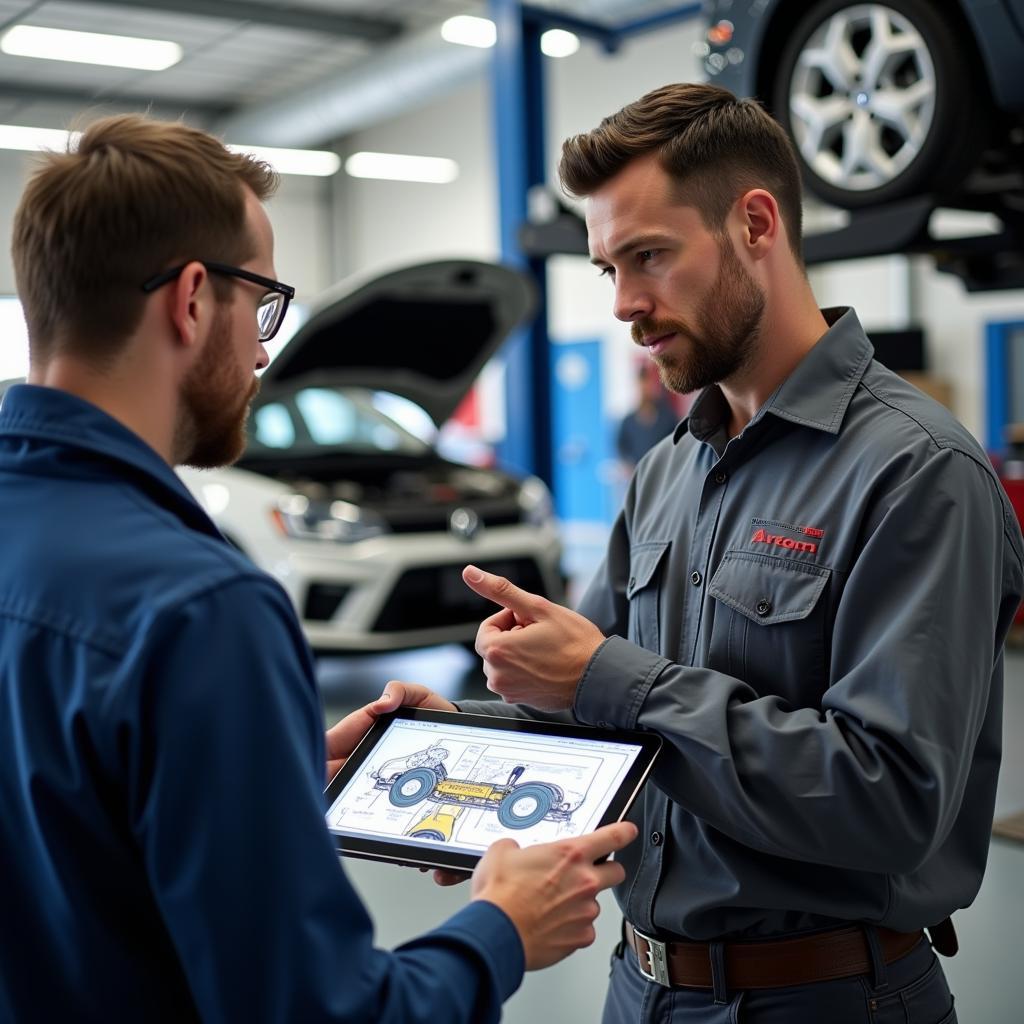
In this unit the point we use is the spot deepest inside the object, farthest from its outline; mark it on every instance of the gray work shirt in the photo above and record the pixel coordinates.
(812, 615)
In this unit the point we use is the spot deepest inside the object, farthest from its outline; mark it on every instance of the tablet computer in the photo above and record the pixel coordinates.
(436, 788)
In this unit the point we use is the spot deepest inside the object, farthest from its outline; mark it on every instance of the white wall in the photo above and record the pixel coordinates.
(386, 224)
(303, 234)
(14, 167)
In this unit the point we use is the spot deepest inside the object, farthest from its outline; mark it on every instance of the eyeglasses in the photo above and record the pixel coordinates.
(272, 307)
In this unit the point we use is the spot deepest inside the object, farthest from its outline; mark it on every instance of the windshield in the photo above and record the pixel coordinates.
(315, 420)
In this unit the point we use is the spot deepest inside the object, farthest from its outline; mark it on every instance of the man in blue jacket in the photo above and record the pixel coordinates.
(163, 847)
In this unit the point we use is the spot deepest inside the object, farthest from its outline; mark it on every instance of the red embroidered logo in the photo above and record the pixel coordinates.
(761, 536)
(812, 531)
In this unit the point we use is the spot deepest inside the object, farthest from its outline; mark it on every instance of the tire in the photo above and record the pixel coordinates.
(880, 101)
(412, 786)
(526, 805)
(429, 833)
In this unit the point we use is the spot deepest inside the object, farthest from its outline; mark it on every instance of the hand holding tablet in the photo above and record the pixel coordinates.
(343, 737)
(550, 892)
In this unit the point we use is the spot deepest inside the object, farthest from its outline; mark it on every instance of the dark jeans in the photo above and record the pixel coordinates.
(914, 991)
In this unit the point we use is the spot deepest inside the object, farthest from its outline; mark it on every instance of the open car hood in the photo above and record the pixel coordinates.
(423, 332)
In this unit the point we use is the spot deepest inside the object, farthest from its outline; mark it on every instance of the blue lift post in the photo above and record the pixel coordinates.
(518, 105)
(518, 109)
(1003, 352)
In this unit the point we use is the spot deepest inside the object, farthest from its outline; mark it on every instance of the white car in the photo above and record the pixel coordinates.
(365, 524)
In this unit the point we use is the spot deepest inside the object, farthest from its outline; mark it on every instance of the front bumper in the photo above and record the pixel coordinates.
(404, 591)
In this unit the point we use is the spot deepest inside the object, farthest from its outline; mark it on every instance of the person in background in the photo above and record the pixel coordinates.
(164, 849)
(651, 420)
(805, 595)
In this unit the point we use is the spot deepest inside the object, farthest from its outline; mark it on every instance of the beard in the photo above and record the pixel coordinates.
(723, 337)
(211, 424)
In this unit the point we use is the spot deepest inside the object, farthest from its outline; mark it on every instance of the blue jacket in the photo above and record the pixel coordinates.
(163, 851)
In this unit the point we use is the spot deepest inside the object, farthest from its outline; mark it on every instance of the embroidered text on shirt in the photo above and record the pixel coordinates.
(763, 537)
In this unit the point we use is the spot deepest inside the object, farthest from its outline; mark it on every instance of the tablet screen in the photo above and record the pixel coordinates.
(457, 784)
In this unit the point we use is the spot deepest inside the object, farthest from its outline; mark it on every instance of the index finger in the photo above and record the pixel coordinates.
(500, 590)
(607, 839)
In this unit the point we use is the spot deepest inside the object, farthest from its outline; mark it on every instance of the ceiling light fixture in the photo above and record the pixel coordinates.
(556, 42)
(320, 163)
(433, 170)
(90, 48)
(315, 162)
(469, 31)
(15, 136)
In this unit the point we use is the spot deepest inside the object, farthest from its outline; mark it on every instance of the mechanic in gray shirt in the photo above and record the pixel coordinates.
(806, 595)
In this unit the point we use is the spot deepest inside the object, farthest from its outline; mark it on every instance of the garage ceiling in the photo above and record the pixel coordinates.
(239, 55)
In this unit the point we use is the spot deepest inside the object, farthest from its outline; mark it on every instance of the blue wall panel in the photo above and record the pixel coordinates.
(581, 434)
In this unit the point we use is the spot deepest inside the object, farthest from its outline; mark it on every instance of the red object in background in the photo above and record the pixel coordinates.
(1015, 492)
(468, 411)
(461, 436)
(680, 403)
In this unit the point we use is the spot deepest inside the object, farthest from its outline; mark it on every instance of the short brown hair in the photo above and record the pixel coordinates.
(715, 146)
(132, 198)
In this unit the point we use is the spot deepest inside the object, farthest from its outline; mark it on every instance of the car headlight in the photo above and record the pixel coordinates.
(341, 522)
(535, 501)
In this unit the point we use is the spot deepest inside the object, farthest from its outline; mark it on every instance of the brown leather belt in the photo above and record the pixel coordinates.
(779, 963)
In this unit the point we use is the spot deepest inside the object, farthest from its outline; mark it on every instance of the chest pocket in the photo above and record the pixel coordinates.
(644, 591)
(769, 626)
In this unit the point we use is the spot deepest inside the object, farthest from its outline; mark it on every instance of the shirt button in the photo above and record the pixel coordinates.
(695, 578)
(632, 582)
(721, 477)
(763, 607)
(656, 838)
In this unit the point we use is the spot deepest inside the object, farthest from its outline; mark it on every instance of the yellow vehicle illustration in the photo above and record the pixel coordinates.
(518, 805)
(438, 824)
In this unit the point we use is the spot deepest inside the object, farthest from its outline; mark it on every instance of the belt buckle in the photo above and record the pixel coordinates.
(656, 958)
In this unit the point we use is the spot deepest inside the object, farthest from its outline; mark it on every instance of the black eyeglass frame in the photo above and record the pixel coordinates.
(285, 290)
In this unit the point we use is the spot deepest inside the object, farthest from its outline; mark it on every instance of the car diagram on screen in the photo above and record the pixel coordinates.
(465, 790)
(518, 804)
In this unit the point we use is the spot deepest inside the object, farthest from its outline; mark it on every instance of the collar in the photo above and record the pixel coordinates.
(49, 414)
(816, 394)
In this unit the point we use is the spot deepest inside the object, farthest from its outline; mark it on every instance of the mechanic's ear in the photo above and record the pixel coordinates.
(762, 222)
(186, 297)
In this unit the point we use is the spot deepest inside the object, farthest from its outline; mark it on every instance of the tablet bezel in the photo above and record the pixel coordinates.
(416, 855)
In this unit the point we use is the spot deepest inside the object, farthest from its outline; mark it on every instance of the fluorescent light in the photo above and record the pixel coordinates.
(14, 351)
(556, 42)
(317, 162)
(284, 161)
(469, 31)
(434, 170)
(90, 48)
(14, 136)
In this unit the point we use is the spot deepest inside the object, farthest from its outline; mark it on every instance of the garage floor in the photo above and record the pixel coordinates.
(405, 903)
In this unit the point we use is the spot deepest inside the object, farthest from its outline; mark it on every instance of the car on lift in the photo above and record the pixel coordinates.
(365, 524)
(884, 100)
